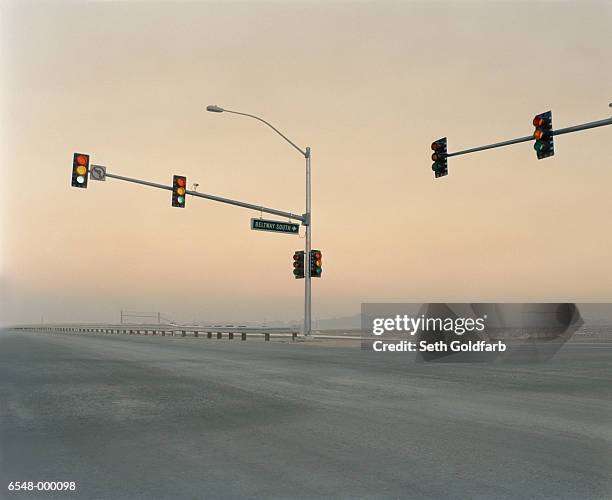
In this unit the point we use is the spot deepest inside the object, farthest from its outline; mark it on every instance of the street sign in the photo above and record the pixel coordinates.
(275, 226)
(97, 173)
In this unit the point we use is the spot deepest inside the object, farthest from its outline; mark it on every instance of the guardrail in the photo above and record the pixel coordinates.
(216, 332)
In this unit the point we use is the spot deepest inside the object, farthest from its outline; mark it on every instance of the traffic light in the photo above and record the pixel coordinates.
(440, 165)
(298, 264)
(80, 170)
(316, 258)
(179, 188)
(543, 135)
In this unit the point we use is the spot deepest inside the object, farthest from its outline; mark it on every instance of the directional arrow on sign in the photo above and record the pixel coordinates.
(275, 226)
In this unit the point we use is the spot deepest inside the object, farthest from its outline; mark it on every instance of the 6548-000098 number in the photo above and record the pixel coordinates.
(42, 486)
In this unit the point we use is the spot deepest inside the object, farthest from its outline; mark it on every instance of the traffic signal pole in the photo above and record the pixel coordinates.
(306, 220)
(527, 138)
(307, 256)
(229, 201)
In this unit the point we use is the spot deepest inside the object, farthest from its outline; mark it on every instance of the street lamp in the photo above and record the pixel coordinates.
(213, 108)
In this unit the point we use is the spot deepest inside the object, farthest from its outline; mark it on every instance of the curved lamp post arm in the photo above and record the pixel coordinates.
(217, 109)
(306, 218)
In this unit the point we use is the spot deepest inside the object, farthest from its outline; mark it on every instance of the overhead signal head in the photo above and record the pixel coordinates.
(80, 170)
(439, 157)
(179, 191)
(543, 135)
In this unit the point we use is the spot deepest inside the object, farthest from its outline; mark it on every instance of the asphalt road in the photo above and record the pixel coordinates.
(162, 417)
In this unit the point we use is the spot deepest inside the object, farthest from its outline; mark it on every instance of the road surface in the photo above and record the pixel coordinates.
(162, 417)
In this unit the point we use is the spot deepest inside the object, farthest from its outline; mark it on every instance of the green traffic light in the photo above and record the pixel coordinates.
(539, 146)
(437, 167)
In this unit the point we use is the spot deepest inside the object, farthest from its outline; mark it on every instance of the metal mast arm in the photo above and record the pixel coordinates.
(220, 199)
(567, 130)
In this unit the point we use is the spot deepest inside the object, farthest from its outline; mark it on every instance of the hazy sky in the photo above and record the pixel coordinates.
(368, 86)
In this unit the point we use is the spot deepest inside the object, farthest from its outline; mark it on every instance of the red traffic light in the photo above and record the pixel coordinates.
(439, 157)
(82, 160)
(80, 170)
(178, 191)
(543, 134)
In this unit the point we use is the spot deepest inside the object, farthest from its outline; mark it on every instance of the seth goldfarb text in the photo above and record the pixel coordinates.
(440, 346)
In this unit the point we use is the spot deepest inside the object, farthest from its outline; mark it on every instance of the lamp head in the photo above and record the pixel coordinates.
(214, 108)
